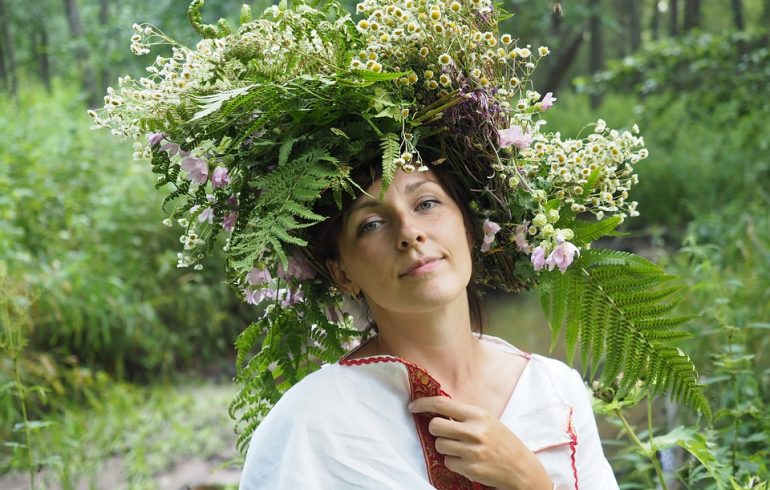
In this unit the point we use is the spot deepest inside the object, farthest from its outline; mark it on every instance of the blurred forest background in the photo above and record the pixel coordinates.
(116, 367)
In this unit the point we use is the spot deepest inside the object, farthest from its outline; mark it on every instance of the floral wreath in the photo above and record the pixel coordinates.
(252, 125)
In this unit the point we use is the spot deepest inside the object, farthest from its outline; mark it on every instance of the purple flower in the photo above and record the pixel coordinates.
(256, 296)
(292, 297)
(197, 169)
(171, 148)
(520, 237)
(207, 214)
(547, 101)
(220, 177)
(258, 276)
(538, 257)
(229, 220)
(490, 230)
(297, 269)
(514, 136)
(562, 256)
(155, 138)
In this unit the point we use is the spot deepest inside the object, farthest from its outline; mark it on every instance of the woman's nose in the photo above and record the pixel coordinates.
(409, 234)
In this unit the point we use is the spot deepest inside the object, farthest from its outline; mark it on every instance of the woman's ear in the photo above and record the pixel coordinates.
(341, 278)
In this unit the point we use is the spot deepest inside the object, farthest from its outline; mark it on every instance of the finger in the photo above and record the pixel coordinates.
(445, 406)
(449, 447)
(450, 429)
(456, 464)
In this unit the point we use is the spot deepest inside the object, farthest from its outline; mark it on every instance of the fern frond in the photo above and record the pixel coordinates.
(390, 147)
(613, 304)
(587, 231)
(283, 207)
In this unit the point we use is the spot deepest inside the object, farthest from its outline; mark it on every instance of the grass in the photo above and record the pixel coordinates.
(132, 434)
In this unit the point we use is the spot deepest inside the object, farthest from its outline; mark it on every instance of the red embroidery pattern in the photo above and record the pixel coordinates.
(573, 446)
(423, 384)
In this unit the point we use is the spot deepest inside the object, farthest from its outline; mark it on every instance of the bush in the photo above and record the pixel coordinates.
(82, 229)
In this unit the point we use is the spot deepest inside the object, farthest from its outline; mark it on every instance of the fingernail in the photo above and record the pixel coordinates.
(410, 406)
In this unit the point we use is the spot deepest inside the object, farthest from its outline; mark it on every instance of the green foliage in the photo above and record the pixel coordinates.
(284, 206)
(390, 145)
(716, 76)
(147, 429)
(703, 108)
(607, 309)
(81, 229)
(277, 351)
(14, 323)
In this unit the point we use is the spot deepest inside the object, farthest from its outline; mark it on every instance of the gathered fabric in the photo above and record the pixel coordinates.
(347, 426)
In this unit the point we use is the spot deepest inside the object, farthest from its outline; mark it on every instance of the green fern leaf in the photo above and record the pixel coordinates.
(587, 231)
(614, 303)
(390, 146)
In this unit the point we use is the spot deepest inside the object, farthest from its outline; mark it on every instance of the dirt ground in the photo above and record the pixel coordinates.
(192, 474)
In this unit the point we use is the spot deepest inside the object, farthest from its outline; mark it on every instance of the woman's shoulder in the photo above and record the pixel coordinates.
(546, 371)
(317, 388)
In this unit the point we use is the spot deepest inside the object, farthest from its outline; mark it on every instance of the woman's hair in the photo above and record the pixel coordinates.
(323, 238)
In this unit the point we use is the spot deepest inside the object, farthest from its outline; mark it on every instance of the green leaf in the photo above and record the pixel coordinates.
(390, 145)
(692, 440)
(614, 304)
(589, 231)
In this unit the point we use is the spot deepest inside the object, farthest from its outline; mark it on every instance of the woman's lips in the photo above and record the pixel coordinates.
(423, 269)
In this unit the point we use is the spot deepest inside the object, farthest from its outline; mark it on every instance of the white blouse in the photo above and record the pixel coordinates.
(346, 426)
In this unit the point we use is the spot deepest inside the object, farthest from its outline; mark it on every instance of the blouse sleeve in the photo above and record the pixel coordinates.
(591, 466)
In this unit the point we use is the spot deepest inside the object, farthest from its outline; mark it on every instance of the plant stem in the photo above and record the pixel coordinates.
(27, 433)
(649, 452)
(653, 451)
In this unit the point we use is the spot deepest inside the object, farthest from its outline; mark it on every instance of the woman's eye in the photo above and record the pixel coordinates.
(427, 204)
(369, 226)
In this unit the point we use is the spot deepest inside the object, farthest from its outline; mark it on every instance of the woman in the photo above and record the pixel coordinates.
(256, 129)
(425, 403)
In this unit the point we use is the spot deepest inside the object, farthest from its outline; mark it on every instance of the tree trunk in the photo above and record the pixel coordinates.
(766, 13)
(673, 8)
(737, 5)
(81, 54)
(556, 16)
(633, 8)
(104, 69)
(655, 22)
(691, 14)
(596, 62)
(8, 61)
(564, 60)
(40, 45)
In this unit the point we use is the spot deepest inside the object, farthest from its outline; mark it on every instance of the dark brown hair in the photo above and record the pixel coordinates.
(323, 238)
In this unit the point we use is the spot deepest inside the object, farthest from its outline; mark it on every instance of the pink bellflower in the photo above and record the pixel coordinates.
(297, 269)
(229, 220)
(547, 101)
(258, 276)
(490, 230)
(538, 257)
(562, 256)
(220, 177)
(514, 136)
(197, 169)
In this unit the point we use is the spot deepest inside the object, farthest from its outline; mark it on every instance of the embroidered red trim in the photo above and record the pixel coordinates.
(423, 384)
(573, 446)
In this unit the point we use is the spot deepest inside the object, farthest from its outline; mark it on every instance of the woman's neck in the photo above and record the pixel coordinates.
(440, 341)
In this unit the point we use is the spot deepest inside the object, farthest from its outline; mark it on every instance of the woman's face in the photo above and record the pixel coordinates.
(408, 253)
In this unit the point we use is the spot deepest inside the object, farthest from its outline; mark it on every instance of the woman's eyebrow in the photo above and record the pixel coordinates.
(367, 203)
(414, 185)
(374, 203)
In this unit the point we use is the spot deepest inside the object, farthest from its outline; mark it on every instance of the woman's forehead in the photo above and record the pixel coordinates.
(403, 183)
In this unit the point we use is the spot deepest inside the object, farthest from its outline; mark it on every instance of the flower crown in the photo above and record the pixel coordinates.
(251, 126)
